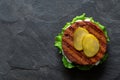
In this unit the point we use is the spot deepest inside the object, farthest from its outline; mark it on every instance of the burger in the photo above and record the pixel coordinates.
(82, 43)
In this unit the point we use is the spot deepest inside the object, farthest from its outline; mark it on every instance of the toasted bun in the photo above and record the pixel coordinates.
(79, 57)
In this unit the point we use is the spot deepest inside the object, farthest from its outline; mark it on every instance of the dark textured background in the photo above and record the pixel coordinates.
(28, 29)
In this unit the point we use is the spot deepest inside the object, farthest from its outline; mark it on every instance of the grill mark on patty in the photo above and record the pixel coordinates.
(75, 26)
(70, 51)
(71, 29)
(93, 29)
(68, 34)
(82, 23)
(97, 57)
(79, 53)
(71, 58)
(99, 37)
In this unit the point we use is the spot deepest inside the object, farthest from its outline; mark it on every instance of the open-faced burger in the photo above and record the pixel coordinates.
(83, 43)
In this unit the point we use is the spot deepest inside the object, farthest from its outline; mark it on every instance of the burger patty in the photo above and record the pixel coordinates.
(79, 57)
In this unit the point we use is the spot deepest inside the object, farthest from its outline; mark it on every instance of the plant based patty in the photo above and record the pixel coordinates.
(79, 57)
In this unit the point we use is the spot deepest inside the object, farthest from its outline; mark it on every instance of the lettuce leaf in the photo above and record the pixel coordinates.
(66, 63)
(58, 42)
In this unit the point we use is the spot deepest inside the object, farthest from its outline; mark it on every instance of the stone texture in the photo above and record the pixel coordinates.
(27, 33)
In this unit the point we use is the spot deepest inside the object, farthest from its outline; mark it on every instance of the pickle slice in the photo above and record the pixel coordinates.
(90, 45)
(78, 38)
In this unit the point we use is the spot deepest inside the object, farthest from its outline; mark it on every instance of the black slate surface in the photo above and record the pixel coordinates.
(28, 29)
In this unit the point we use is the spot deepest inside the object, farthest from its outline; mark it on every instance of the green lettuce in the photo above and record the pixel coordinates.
(58, 43)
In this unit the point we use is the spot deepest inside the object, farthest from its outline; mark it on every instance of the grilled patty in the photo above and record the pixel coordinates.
(79, 57)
